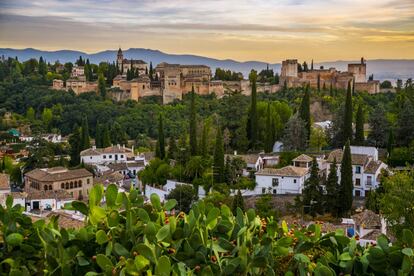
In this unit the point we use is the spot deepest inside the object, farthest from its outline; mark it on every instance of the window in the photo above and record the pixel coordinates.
(358, 169)
(71, 185)
(263, 190)
(110, 156)
(294, 180)
(62, 186)
(357, 193)
(122, 156)
(104, 157)
(80, 183)
(275, 182)
(50, 187)
(90, 157)
(357, 182)
(67, 185)
(274, 191)
(87, 181)
(369, 180)
(45, 187)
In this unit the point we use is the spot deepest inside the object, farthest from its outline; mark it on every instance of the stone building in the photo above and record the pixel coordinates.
(126, 64)
(77, 182)
(356, 74)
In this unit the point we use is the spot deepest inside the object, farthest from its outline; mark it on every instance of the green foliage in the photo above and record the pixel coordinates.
(193, 124)
(332, 199)
(304, 111)
(295, 135)
(317, 139)
(184, 196)
(359, 127)
(379, 127)
(160, 150)
(346, 186)
(347, 123)
(238, 203)
(218, 164)
(253, 120)
(312, 192)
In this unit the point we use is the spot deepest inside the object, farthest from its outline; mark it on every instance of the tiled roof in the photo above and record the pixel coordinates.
(4, 181)
(248, 158)
(59, 194)
(118, 166)
(368, 218)
(108, 177)
(99, 151)
(53, 174)
(285, 171)
(372, 166)
(134, 61)
(357, 159)
(139, 163)
(303, 158)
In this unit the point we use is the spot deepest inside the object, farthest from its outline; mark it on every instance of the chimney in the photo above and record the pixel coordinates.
(94, 147)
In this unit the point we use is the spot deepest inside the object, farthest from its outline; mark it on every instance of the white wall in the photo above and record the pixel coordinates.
(287, 184)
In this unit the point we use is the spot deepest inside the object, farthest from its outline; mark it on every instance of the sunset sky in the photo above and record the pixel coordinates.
(243, 30)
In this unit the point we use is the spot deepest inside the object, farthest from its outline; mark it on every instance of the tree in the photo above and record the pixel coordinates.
(264, 206)
(172, 148)
(102, 86)
(347, 123)
(295, 134)
(346, 186)
(312, 192)
(42, 67)
(304, 111)
(47, 117)
(193, 124)
(185, 196)
(396, 204)
(85, 139)
(204, 138)
(238, 202)
(194, 167)
(106, 137)
(151, 71)
(390, 143)
(160, 151)
(218, 168)
(359, 127)
(405, 124)
(30, 114)
(75, 147)
(317, 139)
(269, 135)
(252, 122)
(379, 127)
(98, 135)
(332, 202)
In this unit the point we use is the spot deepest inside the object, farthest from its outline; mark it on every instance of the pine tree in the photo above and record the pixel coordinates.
(331, 198)
(204, 137)
(304, 111)
(359, 127)
(218, 168)
(390, 144)
(312, 65)
(346, 186)
(238, 202)
(331, 90)
(347, 124)
(269, 134)
(193, 124)
(252, 128)
(312, 192)
(151, 71)
(161, 139)
(106, 137)
(75, 146)
(102, 86)
(85, 140)
(405, 125)
(319, 83)
(42, 67)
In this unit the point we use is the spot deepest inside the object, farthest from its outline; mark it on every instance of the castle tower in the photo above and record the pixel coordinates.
(359, 70)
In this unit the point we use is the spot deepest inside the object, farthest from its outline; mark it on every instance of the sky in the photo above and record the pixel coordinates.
(263, 30)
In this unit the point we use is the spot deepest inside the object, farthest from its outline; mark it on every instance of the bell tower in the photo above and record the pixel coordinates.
(119, 58)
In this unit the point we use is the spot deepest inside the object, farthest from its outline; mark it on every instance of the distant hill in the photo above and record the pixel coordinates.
(382, 69)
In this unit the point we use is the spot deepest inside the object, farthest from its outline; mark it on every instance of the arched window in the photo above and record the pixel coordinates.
(67, 185)
(80, 183)
(71, 185)
(62, 186)
(45, 187)
(75, 185)
(50, 187)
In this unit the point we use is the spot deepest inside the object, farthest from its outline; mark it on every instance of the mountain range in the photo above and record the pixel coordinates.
(383, 69)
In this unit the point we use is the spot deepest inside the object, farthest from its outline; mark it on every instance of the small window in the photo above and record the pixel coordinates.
(274, 191)
(369, 180)
(87, 181)
(358, 169)
(62, 186)
(104, 157)
(294, 180)
(90, 157)
(357, 193)
(122, 156)
(110, 156)
(275, 182)
(263, 190)
(357, 182)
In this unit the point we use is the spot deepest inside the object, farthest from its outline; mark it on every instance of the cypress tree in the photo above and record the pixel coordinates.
(346, 186)
(204, 146)
(193, 124)
(390, 143)
(347, 124)
(304, 111)
(269, 135)
(102, 86)
(106, 137)
(172, 148)
(98, 135)
(312, 192)
(331, 90)
(238, 202)
(332, 200)
(359, 127)
(75, 146)
(312, 65)
(151, 71)
(252, 130)
(161, 139)
(85, 140)
(218, 168)
(319, 83)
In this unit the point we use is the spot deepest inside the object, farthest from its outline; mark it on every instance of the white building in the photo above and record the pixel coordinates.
(366, 168)
(165, 190)
(287, 180)
(112, 154)
(77, 71)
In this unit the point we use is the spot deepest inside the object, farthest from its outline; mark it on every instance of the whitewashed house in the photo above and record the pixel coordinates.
(165, 190)
(112, 154)
(366, 168)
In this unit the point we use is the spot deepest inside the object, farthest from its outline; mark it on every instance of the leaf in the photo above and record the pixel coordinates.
(322, 270)
(14, 239)
(155, 201)
(143, 215)
(284, 226)
(141, 262)
(383, 243)
(82, 261)
(95, 195)
(164, 266)
(81, 207)
(302, 258)
(150, 229)
(111, 195)
(251, 214)
(104, 262)
(345, 257)
(147, 252)
(113, 218)
(408, 237)
(101, 237)
(121, 250)
(9, 201)
(408, 252)
(163, 233)
(170, 204)
(212, 216)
